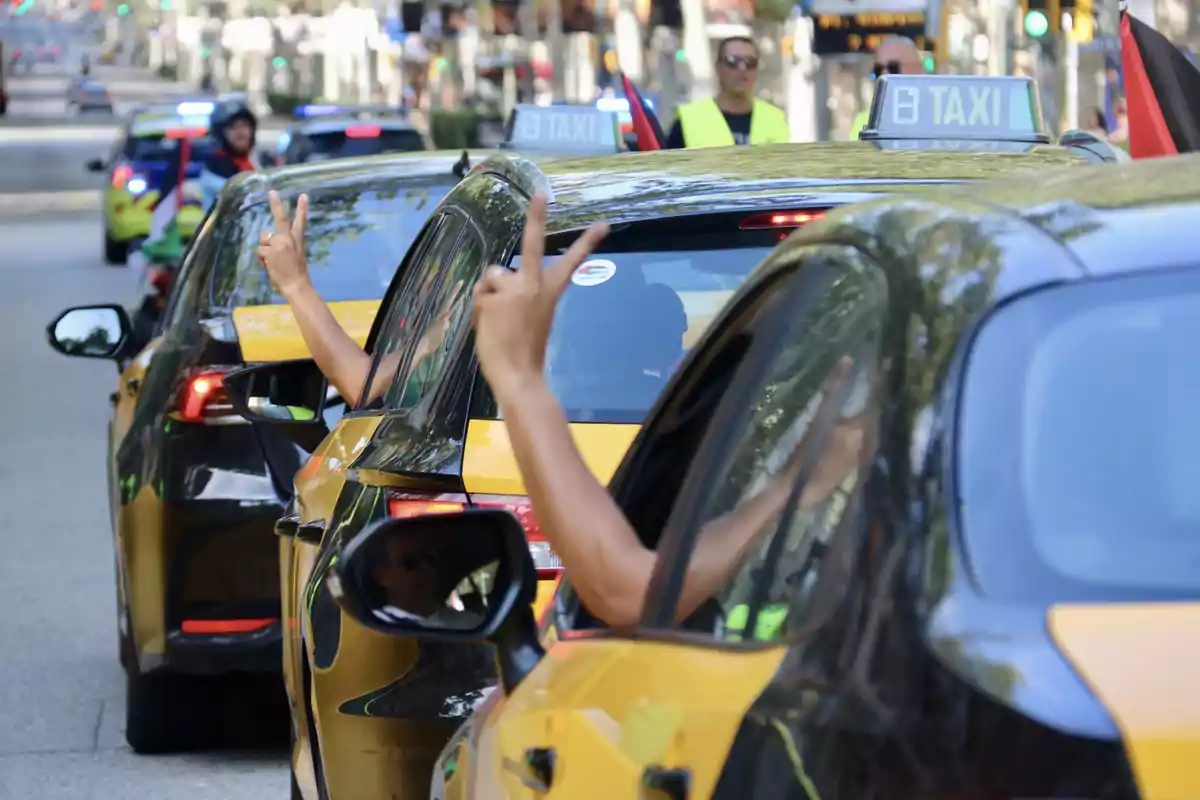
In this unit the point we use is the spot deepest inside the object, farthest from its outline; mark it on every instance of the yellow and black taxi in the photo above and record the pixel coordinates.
(372, 711)
(139, 168)
(193, 498)
(992, 596)
(321, 132)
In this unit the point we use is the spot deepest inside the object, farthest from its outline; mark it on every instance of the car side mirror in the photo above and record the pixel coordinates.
(96, 165)
(289, 395)
(90, 332)
(459, 577)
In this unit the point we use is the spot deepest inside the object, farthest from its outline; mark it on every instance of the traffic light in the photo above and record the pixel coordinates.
(1083, 19)
(1040, 18)
(122, 10)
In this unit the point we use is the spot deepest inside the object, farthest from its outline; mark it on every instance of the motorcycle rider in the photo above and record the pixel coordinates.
(234, 127)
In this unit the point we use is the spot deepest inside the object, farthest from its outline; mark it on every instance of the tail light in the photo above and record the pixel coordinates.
(160, 279)
(186, 133)
(547, 562)
(202, 397)
(121, 176)
(780, 219)
(363, 131)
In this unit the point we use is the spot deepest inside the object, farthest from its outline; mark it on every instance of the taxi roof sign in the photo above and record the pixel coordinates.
(956, 107)
(570, 130)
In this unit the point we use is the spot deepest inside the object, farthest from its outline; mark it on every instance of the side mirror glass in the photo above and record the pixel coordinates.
(287, 391)
(96, 165)
(90, 331)
(442, 576)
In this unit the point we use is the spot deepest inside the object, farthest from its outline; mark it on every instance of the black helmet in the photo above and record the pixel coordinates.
(227, 112)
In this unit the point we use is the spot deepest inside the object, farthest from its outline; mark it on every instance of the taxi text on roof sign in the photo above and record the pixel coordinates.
(569, 129)
(956, 107)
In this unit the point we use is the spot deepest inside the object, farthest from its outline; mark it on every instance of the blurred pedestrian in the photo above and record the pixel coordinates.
(735, 116)
(234, 127)
(896, 55)
(1094, 123)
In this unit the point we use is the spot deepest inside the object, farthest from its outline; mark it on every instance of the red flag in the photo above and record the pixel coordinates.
(1162, 92)
(645, 123)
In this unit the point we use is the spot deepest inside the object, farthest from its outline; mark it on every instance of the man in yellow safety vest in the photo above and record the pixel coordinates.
(896, 55)
(734, 116)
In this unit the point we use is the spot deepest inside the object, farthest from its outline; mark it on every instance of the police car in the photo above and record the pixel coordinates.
(323, 132)
(969, 113)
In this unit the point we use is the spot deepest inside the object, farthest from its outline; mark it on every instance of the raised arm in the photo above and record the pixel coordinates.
(609, 567)
(281, 252)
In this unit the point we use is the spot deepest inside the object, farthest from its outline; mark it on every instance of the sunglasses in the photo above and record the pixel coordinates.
(736, 62)
(890, 68)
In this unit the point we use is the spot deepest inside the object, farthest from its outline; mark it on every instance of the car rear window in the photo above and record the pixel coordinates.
(354, 244)
(635, 307)
(1078, 440)
(338, 144)
(156, 147)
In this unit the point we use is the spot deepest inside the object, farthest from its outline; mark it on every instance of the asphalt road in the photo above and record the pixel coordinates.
(61, 687)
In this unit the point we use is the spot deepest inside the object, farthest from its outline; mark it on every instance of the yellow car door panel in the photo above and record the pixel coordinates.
(610, 708)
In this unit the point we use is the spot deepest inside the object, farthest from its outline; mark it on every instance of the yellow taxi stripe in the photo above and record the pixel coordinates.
(270, 333)
(490, 467)
(1141, 661)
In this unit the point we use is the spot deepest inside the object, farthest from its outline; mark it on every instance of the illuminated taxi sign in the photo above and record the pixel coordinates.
(953, 107)
(563, 129)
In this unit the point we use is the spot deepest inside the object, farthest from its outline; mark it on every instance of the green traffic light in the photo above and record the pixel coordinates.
(279, 62)
(929, 64)
(1036, 23)
(681, 55)
(122, 10)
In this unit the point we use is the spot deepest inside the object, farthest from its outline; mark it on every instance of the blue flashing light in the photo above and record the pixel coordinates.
(313, 110)
(194, 109)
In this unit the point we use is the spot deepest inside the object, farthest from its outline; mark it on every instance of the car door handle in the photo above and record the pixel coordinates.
(668, 783)
(536, 770)
(311, 532)
(287, 525)
(132, 385)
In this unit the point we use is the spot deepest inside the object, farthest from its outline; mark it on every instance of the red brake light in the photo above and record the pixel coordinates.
(363, 131)
(780, 219)
(203, 397)
(185, 133)
(401, 507)
(121, 176)
(549, 565)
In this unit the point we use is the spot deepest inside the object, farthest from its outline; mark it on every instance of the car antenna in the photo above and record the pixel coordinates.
(462, 166)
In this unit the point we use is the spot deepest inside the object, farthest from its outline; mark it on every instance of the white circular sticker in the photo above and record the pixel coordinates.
(594, 272)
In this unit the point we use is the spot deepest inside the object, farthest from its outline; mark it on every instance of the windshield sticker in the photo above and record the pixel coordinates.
(594, 272)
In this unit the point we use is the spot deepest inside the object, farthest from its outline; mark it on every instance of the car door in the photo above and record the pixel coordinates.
(660, 709)
(190, 290)
(321, 482)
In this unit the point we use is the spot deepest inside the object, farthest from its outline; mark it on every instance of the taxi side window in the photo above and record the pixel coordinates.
(783, 502)
(444, 325)
(396, 341)
(190, 296)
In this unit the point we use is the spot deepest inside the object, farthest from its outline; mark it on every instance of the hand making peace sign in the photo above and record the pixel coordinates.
(281, 251)
(514, 309)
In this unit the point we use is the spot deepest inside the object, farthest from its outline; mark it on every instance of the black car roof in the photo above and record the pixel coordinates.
(1013, 235)
(637, 186)
(334, 124)
(357, 174)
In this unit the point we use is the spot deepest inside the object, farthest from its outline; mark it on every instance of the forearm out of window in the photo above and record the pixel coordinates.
(608, 566)
(725, 542)
(334, 351)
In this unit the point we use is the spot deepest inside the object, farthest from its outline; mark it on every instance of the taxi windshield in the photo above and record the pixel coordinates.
(157, 147)
(635, 307)
(1079, 430)
(354, 243)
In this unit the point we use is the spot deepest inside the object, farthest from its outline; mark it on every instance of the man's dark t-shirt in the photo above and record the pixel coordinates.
(739, 126)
